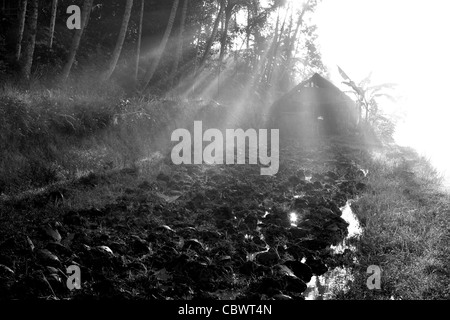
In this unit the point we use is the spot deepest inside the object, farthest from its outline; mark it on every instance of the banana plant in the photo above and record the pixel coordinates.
(367, 95)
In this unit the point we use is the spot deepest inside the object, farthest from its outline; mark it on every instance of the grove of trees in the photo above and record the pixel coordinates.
(160, 46)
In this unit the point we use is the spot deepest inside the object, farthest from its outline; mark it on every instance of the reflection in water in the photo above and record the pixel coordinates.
(293, 219)
(321, 287)
(354, 230)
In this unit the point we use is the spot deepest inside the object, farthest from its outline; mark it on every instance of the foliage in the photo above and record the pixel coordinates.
(367, 98)
(254, 38)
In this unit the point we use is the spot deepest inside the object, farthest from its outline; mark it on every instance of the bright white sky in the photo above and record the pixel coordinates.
(401, 41)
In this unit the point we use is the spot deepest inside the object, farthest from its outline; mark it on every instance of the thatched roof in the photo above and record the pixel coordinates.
(315, 98)
(314, 87)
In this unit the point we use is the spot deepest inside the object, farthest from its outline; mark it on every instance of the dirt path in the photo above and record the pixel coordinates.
(183, 232)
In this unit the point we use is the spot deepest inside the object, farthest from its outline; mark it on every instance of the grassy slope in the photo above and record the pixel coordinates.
(51, 135)
(405, 215)
(404, 212)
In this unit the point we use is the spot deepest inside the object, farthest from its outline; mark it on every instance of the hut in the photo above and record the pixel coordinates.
(314, 107)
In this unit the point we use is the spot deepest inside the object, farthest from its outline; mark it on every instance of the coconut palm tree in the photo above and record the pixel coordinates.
(120, 40)
(179, 50)
(211, 38)
(22, 15)
(138, 50)
(87, 7)
(31, 40)
(52, 22)
(152, 68)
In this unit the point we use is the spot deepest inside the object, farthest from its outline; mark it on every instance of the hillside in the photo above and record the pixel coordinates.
(156, 230)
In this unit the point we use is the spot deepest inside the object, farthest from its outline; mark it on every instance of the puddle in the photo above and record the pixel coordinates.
(293, 218)
(322, 287)
(354, 229)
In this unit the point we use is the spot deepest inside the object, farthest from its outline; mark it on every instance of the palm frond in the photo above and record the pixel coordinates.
(366, 80)
(343, 74)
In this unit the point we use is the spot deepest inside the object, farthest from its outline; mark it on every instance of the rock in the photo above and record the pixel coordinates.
(332, 176)
(268, 258)
(297, 233)
(140, 246)
(317, 185)
(301, 270)
(193, 244)
(294, 180)
(225, 259)
(360, 174)
(314, 244)
(56, 197)
(301, 174)
(130, 171)
(269, 286)
(145, 185)
(47, 257)
(105, 250)
(74, 218)
(296, 251)
(317, 266)
(340, 198)
(93, 212)
(166, 228)
(224, 213)
(210, 235)
(334, 208)
(59, 248)
(6, 271)
(316, 199)
(281, 296)
(294, 284)
(360, 186)
(251, 221)
(248, 268)
(325, 213)
(328, 187)
(118, 246)
(308, 187)
(52, 233)
(283, 270)
(299, 204)
(163, 177)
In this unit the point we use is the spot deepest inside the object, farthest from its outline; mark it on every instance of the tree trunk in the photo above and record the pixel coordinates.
(52, 22)
(274, 57)
(31, 40)
(248, 29)
(22, 15)
(213, 34)
(263, 67)
(293, 41)
(120, 40)
(223, 39)
(151, 70)
(87, 7)
(179, 51)
(197, 50)
(86, 23)
(138, 53)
